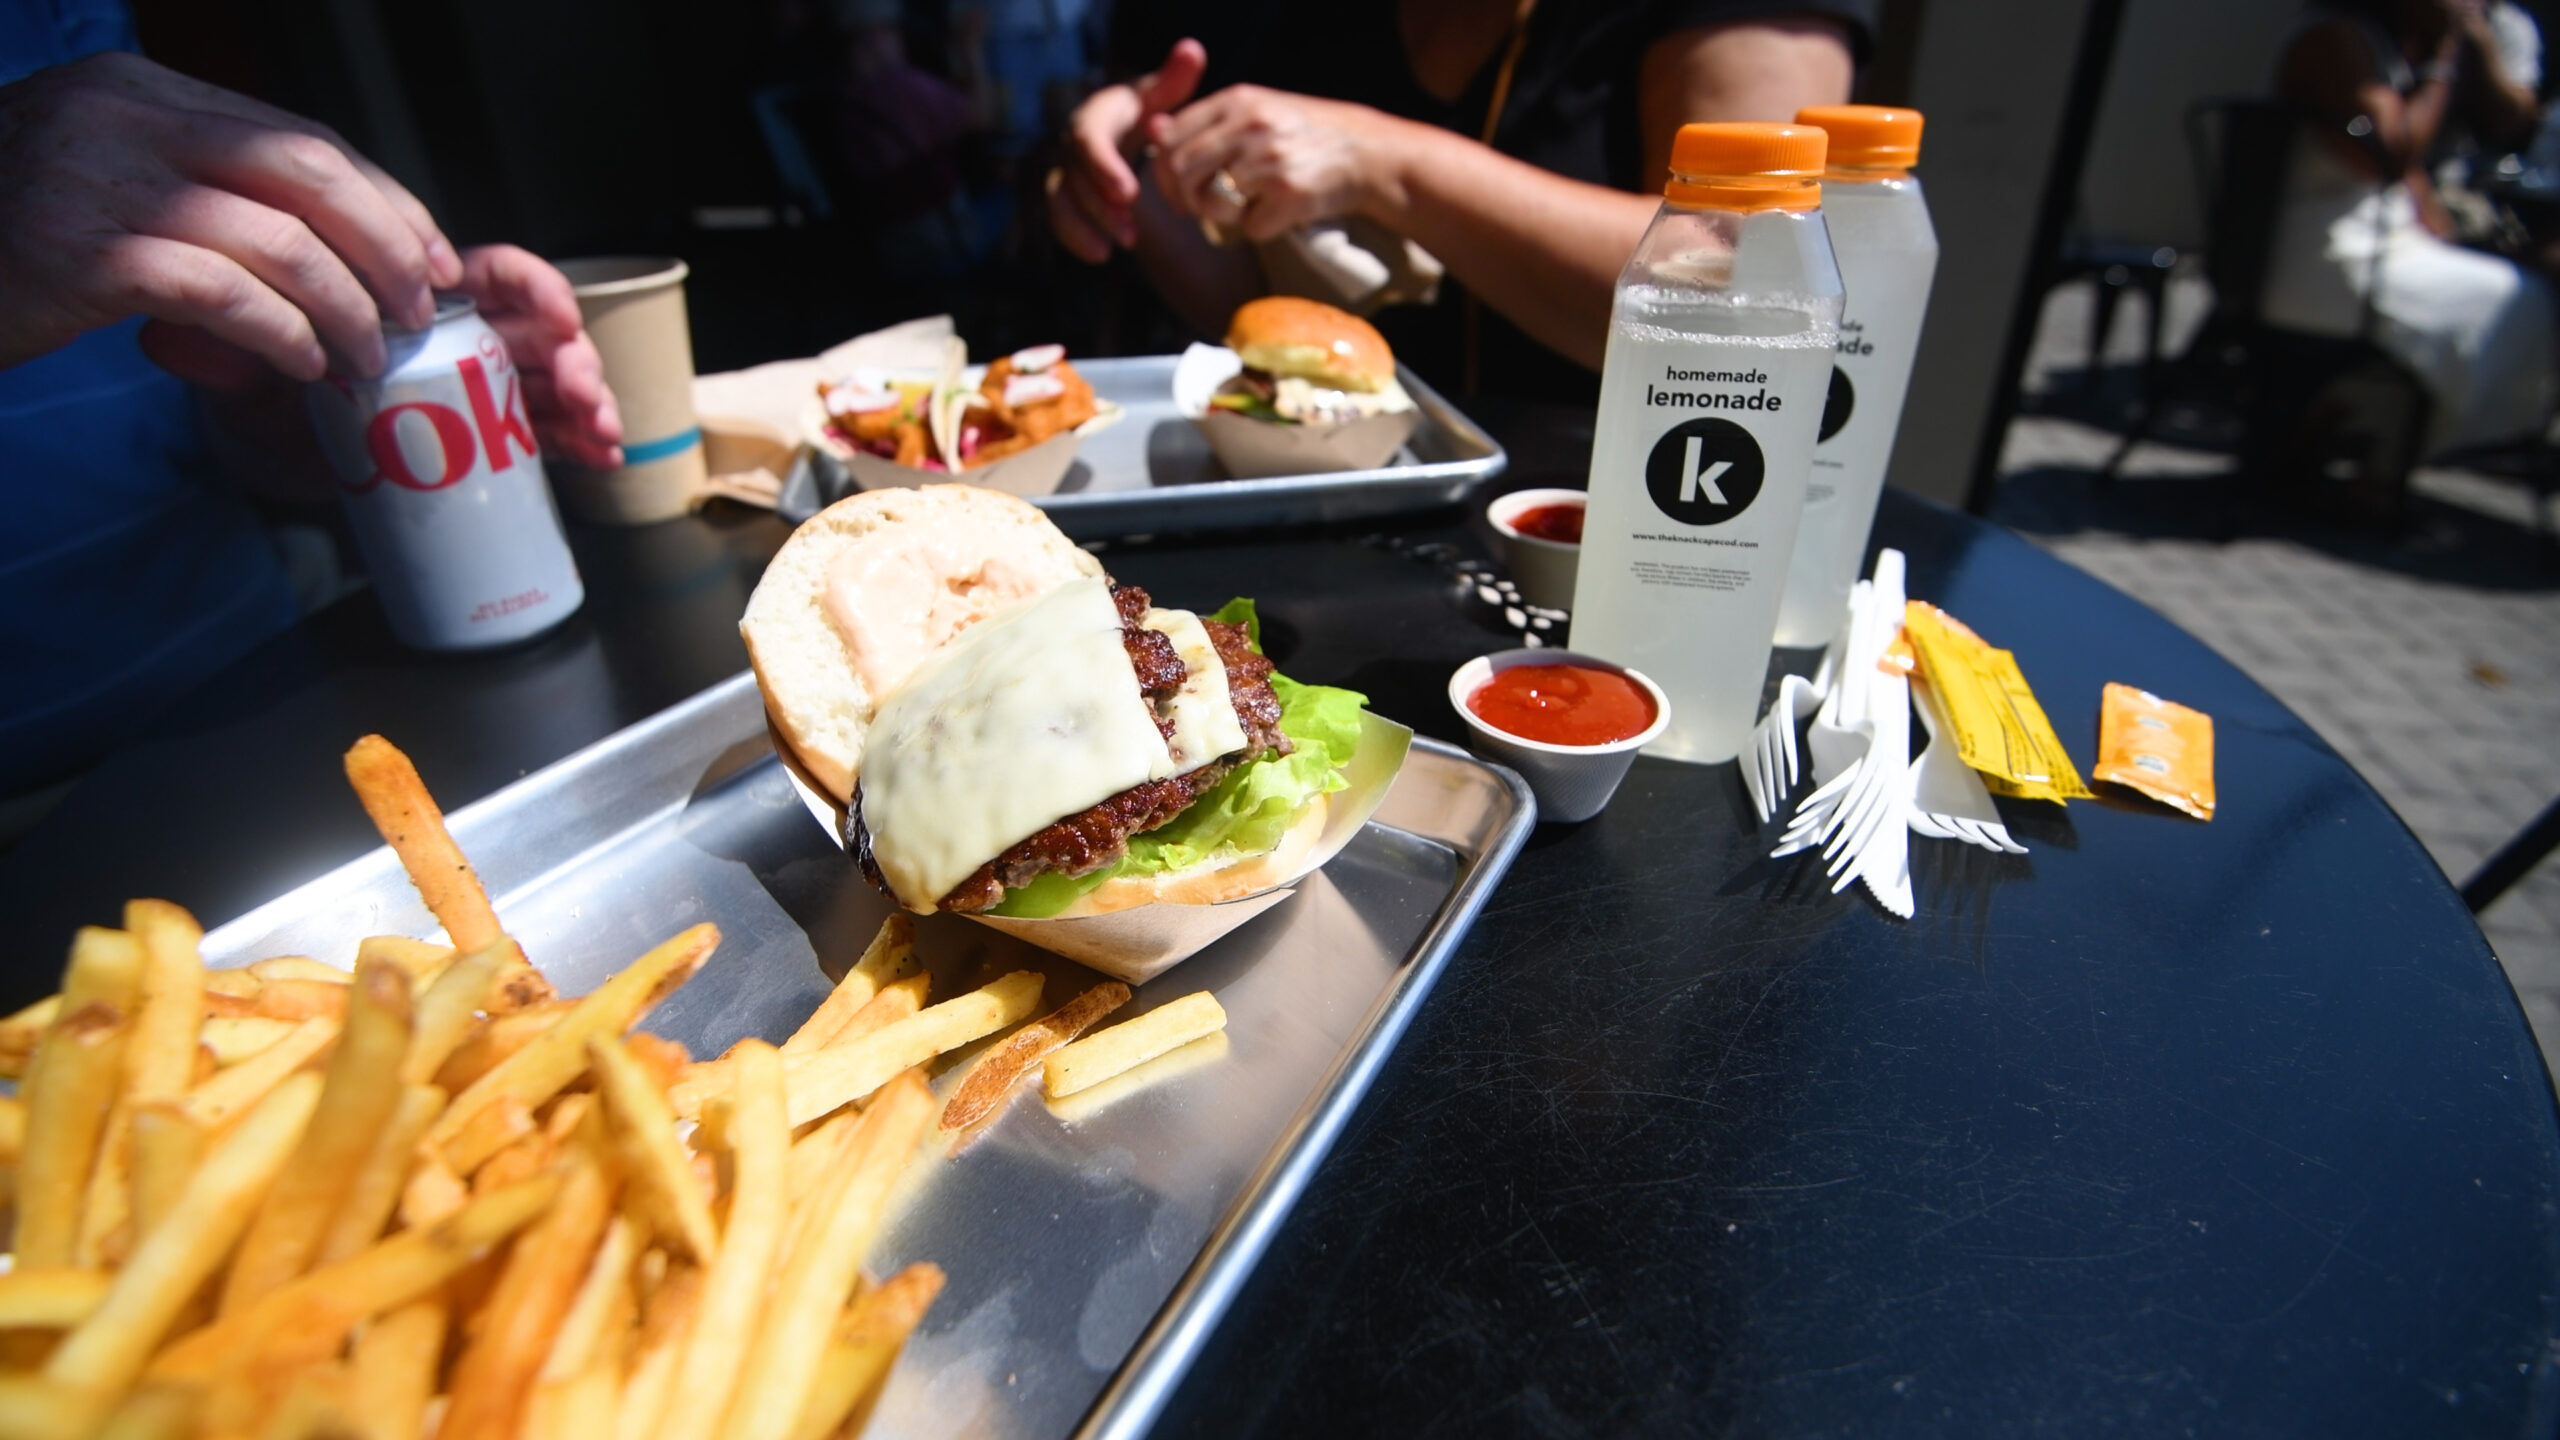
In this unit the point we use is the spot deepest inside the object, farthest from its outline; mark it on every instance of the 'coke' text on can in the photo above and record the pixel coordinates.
(443, 485)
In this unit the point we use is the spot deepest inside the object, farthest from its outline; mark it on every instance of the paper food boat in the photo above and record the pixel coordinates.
(1138, 944)
(1259, 449)
(1030, 473)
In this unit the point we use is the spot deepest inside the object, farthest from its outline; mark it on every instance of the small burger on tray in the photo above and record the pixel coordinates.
(1300, 388)
(1011, 735)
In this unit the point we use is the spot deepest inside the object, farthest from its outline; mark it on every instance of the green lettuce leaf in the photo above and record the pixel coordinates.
(1246, 813)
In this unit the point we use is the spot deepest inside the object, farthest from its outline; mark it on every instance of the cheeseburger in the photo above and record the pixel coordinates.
(1307, 363)
(1013, 732)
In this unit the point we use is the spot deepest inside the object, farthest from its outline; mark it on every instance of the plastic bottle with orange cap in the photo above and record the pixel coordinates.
(1720, 355)
(1888, 254)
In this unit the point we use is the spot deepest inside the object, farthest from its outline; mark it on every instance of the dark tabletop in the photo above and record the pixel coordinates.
(2165, 1128)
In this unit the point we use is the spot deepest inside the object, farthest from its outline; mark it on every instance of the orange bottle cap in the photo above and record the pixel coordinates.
(1746, 166)
(1874, 137)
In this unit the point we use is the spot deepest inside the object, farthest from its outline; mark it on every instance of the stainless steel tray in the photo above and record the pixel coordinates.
(1153, 473)
(1089, 1253)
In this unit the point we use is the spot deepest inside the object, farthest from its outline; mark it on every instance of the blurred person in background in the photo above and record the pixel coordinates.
(2362, 223)
(1523, 145)
(899, 130)
(176, 262)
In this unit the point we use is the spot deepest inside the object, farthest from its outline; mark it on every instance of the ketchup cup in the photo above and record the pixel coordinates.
(1543, 569)
(1572, 782)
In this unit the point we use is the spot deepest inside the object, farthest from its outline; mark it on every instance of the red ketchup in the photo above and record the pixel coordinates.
(1563, 704)
(1560, 523)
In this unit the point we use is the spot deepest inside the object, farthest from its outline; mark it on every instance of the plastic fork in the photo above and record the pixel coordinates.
(1838, 738)
(1871, 840)
(1772, 770)
(1948, 800)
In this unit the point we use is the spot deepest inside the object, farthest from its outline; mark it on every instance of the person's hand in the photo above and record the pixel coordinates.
(1093, 194)
(127, 189)
(1264, 162)
(532, 308)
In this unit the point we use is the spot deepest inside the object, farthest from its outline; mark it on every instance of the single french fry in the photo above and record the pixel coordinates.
(530, 1153)
(162, 1057)
(107, 1351)
(819, 1278)
(86, 1149)
(105, 969)
(13, 1141)
(20, 1032)
(69, 1091)
(310, 1318)
(601, 1311)
(813, 1159)
(449, 1008)
(213, 1103)
(292, 967)
(522, 1318)
(838, 1074)
(234, 1038)
(421, 960)
(733, 1290)
(545, 1067)
(50, 1298)
(300, 999)
(363, 1086)
(393, 1373)
(228, 984)
(37, 1407)
(389, 787)
(579, 1408)
(863, 1347)
(668, 1319)
(433, 1192)
(1125, 1046)
(375, 1191)
(1000, 1069)
(643, 1130)
(154, 1412)
(167, 1147)
(663, 1059)
(488, 1044)
(890, 956)
(896, 1001)
(519, 984)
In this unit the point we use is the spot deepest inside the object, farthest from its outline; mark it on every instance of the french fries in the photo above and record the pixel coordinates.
(1131, 1043)
(1000, 1069)
(242, 1205)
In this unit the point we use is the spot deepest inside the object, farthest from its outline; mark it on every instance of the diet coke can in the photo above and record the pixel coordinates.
(444, 488)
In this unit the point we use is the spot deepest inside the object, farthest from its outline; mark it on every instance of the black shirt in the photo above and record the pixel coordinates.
(1572, 110)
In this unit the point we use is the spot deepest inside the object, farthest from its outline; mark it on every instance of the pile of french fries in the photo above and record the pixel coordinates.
(427, 1197)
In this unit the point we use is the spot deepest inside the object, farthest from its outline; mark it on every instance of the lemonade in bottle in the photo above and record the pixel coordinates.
(1720, 350)
(1888, 254)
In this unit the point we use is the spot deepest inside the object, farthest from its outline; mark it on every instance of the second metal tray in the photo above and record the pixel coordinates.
(1152, 472)
(1091, 1247)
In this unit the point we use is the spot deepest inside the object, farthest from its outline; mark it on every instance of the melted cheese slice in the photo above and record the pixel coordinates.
(1028, 716)
(1203, 714)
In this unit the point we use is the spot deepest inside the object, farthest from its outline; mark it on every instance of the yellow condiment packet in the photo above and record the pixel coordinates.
(2158, 747)
(1999, 728)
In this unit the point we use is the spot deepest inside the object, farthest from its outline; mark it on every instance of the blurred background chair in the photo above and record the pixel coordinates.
(2335, 413)
(2117, 266)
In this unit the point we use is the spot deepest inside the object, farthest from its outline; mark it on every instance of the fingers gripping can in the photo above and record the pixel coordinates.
(443, 485)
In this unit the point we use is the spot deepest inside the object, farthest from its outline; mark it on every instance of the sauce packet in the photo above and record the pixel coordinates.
(1999, 728)
(2158, 747)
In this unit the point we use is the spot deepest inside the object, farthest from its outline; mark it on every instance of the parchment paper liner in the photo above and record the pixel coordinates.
(1258, 449)
(1137, 945)
(1030, 473)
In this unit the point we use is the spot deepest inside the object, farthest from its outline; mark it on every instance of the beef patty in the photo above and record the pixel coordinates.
(1091, 839)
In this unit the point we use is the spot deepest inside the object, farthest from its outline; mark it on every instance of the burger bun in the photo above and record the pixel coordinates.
(1286, 335)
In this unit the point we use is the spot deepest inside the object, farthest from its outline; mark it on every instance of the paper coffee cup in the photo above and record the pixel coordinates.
(634, 310)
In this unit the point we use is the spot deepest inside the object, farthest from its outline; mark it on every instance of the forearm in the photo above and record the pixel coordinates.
(1542, 250)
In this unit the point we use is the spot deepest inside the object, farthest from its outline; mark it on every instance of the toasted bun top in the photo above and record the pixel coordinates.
(1287, 335)
(805, 661)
